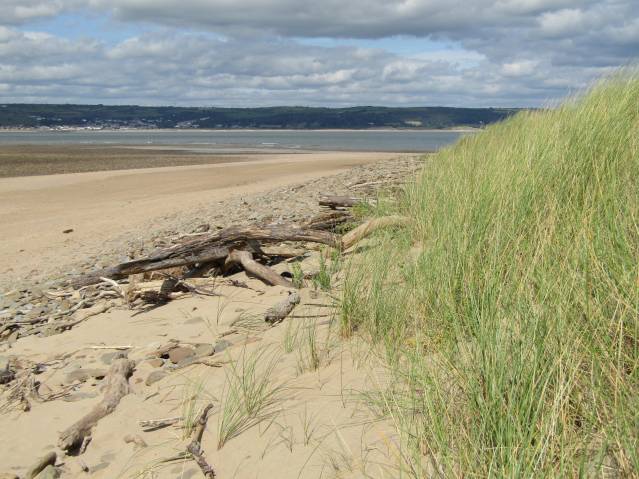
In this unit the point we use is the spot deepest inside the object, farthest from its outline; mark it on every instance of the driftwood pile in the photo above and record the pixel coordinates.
(250, 248)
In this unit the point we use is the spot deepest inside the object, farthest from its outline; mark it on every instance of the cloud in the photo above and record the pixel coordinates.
(20, 11)
(224, 52)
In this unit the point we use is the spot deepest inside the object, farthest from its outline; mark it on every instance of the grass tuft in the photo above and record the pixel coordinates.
(250, 394)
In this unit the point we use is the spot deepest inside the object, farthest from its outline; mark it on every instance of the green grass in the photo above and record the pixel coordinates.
(250, 394)
(327, 268)
(509, 308)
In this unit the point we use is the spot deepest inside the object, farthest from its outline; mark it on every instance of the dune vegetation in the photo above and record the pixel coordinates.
(508, 310)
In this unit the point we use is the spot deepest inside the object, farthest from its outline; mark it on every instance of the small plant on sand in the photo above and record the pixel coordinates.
(289, 341)
(308, 426)
(298, 274)
(309, 351)
(327, 268)
(250, 394)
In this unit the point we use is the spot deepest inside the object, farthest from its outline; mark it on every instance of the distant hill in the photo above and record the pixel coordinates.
(104, 116)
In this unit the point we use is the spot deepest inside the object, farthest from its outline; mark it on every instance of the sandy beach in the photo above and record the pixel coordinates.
(97, 206)
(310, 419)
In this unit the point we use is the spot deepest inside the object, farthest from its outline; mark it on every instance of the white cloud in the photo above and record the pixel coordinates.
(507, 52)
(522, 68)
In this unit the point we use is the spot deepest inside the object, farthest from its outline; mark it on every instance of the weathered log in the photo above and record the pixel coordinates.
(363, 230)
(36, 468)
(262, 272)
(334, 202)
(214, 247)
(116, 387)
(161, 260)
(278, 312)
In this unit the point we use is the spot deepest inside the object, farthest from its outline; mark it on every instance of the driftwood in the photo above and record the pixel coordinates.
(363, 230)
(282, 309)
(329, 220)
(282, 251)
(46, 460)
(161, 260)
(117, 386)
(153, 424)
(195, 446)
(211, 248)
(251, 266)
(334, 202)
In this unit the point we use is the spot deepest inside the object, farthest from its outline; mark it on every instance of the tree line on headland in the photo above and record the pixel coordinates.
(110, 116)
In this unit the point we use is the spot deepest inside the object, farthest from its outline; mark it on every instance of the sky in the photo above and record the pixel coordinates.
(238, 53)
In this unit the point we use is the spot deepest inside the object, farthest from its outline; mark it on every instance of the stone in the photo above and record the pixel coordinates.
(156, 362)
(221, 345)
(178, 354)
(13, 337)
(203, 350)
(79, 396)
(49, 472)
(84, 375)
(37, 293)
(155, 376)
(107, 358)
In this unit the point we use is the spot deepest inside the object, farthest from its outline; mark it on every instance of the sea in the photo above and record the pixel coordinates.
(245, 140)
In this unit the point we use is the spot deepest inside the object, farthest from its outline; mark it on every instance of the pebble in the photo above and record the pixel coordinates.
(178, 354)
(4, 363)
(221, 345)
(155, 376)
(203, 350)
(84, 375)
(156, 362)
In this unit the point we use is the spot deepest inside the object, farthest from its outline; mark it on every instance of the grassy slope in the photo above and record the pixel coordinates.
(510, 308)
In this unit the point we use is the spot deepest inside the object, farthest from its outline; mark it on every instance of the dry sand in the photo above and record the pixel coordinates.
(35, 210)
(316, 423)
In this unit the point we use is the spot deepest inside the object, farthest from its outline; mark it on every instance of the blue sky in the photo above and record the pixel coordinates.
(333, 53)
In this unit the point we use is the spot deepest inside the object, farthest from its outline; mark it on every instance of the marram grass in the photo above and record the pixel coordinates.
(510, 307)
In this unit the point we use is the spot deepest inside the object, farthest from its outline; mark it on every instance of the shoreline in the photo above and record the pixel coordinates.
(240, 130)
(17, 161)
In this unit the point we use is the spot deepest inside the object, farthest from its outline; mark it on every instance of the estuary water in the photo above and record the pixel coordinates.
(238, 140)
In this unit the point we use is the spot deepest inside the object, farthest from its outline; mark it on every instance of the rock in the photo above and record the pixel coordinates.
(156, 362)
(135, 439)
(221, 345)
(155, 376)
(178, 354)
(84, 375)
(203, 350)
(4, 363)
(107, 358)
(13, 337)
(79, 396)
(49, 472)
(36, 293)
(203, 228)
